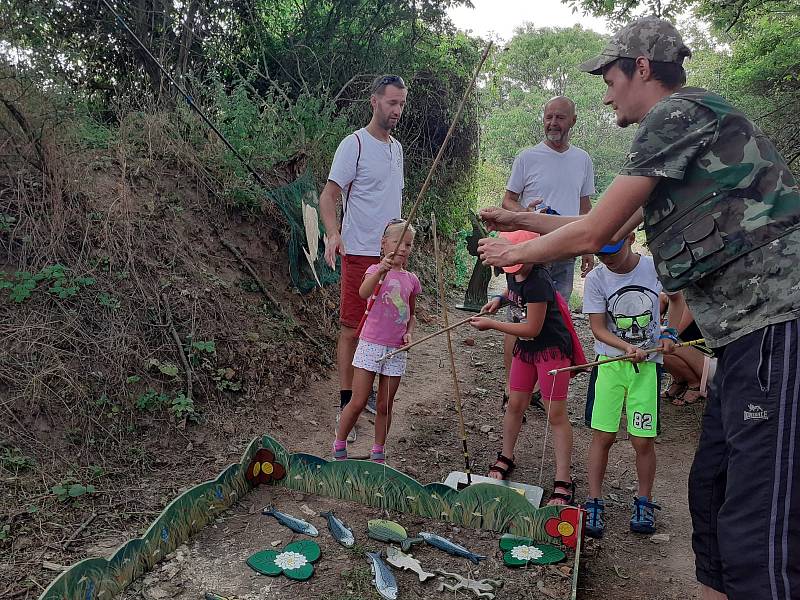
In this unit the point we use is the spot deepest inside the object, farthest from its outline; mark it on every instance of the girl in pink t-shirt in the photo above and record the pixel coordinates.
(389, 326)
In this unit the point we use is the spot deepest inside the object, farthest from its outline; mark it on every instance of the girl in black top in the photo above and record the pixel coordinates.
(544, 342)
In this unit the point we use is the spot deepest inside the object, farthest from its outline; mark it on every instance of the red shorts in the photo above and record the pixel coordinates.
(351, 305)
(524, 376)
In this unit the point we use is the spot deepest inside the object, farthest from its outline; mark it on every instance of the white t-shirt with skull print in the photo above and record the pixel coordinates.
(630, 303)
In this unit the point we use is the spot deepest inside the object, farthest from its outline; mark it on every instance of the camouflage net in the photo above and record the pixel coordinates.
(299, 201)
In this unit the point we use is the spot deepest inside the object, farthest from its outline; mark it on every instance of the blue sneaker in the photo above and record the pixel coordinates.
(371, 403)
(643, 519)
(595, 525)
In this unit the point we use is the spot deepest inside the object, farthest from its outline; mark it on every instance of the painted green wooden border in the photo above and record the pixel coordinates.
(480, 506)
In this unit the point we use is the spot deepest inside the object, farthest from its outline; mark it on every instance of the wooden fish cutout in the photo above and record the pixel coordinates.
(450, 547)
(293, 523)
(383, 578)
(398, 559)
(340, 532)
(391, 532)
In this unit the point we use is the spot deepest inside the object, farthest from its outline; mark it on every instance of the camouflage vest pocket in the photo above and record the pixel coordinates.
(683, 251)
(658, 209)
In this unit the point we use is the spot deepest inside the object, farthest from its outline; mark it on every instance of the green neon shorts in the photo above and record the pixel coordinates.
(618, 383)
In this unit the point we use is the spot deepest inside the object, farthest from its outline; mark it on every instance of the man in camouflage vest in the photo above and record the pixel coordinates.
(722, 215)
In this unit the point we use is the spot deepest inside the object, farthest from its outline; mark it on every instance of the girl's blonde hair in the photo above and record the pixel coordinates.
(396, 226)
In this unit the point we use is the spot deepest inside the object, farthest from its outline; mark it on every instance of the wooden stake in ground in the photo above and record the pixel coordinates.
(605, 361)
(443, 302)
(77, 532)
(427, 183)
(187, 368)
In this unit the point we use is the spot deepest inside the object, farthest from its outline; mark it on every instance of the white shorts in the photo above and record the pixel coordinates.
(367, 355)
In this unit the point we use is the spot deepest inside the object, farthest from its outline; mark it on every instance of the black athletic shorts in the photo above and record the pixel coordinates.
(744, 487)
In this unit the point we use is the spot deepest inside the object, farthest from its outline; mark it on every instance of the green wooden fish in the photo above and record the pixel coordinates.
(389, 531)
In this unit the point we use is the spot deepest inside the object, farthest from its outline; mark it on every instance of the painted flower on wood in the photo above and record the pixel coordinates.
(294, 560)
(565, 526)
(519, 552)
(264, 469)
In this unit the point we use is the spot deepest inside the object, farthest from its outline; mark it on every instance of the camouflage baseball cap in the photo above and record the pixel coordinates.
(650, 37)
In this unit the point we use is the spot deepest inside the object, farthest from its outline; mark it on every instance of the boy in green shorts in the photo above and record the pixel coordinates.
(621, 299)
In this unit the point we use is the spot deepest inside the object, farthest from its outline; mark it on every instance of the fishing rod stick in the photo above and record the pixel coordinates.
(432, 335)
(427, 183)
(623, 357)
(443, 302)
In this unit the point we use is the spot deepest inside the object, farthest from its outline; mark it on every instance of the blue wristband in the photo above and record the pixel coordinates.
(499, 297)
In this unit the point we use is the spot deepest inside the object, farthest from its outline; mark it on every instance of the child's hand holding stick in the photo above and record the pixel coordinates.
(632, 356)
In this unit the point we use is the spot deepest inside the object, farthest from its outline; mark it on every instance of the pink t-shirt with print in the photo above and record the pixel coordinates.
(388, 319)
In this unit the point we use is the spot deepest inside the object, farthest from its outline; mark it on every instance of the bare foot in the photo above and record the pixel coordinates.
(693, 395)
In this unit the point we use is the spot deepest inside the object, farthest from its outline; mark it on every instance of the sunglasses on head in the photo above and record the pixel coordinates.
(393, 222)
(391, 79)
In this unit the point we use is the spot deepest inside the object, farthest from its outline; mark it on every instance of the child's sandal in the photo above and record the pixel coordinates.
(498, 467)
(566, 498)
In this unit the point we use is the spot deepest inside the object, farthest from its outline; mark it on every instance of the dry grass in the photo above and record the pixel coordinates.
(141, 212)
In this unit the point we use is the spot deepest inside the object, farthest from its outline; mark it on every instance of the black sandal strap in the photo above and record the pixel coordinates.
(502, 470)
(561, 496)
(567, 485)
(509, 461)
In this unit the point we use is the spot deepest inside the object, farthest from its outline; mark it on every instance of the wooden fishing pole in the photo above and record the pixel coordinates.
(432, 335)
(443, 302)
(427, 183)
(623, 357)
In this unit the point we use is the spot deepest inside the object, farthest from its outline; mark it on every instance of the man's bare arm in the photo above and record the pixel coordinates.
(618, 209)
(511, 201)
(543, 223)
(585, 206)
(328, 201)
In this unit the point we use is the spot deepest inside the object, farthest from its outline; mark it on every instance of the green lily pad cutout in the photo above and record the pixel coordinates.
(519, 552)
(294, 560)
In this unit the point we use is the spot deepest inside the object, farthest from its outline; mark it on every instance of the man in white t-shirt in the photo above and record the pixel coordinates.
(367, 175)
(560, 177)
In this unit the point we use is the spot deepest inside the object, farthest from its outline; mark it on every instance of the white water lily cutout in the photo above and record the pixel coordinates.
(526, 553)
(294, 561)
(290, 560)
(518, 552)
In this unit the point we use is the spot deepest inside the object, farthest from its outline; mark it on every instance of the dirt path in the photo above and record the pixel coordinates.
(424, 443)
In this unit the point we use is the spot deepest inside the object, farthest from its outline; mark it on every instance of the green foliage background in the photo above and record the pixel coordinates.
(285, 81)
(540, 63)
(750, 54)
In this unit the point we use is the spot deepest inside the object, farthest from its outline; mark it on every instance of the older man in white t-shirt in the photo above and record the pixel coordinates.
(367, 175)
(556, 175)
(553, 175)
